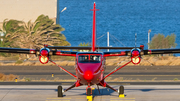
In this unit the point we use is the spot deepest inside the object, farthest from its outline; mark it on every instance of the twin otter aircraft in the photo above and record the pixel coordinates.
(90, 66)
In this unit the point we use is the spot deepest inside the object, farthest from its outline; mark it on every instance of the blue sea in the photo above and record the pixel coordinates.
(122, 19)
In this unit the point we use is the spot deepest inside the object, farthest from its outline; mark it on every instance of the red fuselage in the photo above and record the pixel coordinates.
(89, 68)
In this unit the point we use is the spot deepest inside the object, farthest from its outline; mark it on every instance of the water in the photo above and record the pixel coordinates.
(122, 19)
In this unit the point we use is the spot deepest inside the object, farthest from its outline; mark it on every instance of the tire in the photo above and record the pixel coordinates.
(60, 93)
(89, 93)
(121, 90)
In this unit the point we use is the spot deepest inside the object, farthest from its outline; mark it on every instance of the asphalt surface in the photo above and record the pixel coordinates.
(70, 83)
(154, 89)
(43, 70)
(49, 93)
(136, 73)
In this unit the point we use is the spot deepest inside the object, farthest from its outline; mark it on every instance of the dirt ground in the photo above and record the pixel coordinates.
(145, 61)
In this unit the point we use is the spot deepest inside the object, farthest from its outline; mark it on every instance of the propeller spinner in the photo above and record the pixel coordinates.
(44, 55)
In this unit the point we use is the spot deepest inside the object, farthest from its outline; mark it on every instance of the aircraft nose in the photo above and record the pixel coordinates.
(88, 75)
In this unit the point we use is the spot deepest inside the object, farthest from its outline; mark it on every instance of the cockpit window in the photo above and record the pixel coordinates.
(89, 59)
(83, 58)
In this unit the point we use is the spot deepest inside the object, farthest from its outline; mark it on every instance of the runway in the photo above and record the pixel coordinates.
(49, 93)
(151, 90)
(128, 73)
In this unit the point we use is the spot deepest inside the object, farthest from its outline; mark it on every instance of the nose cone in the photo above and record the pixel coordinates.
(88, 75)
(44, 52)
(135, 53)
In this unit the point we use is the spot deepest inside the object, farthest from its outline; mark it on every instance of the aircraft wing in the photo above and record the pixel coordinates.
(18, 50)
(120, 53)
(143, 52)
(161, 51)
(36, 51)
(64, 53)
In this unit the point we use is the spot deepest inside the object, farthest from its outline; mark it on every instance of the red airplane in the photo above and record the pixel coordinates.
(89, 66)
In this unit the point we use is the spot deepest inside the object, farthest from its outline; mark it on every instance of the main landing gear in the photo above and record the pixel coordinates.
(89, 92)
(60, 91)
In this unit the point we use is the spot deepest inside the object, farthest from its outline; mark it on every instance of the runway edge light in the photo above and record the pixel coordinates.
(15, 79)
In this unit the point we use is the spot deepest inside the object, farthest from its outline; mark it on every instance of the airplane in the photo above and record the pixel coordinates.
(89, 66)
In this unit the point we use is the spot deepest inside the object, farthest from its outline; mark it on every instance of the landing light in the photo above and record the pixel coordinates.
(43, 59)
(135, 60)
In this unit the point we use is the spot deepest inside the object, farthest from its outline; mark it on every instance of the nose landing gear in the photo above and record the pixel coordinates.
(89, 93)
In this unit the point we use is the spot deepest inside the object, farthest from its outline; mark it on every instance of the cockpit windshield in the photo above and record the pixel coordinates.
(89, 59)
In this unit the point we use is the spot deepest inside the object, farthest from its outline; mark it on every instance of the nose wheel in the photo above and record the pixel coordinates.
(89, 91)
(60, 91)
(89, 94)
(121, 91)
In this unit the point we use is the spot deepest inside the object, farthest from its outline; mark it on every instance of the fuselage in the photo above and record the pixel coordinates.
(90, 67)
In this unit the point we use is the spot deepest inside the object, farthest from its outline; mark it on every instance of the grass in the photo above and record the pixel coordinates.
(10, 77)
(175, 79)
(19, 62)
(27, 79)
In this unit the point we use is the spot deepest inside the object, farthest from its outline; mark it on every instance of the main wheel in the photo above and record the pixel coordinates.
(60, 93)
(121, 90)
(89, 92)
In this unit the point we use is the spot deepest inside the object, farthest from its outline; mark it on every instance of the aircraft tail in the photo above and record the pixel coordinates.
(94, 28)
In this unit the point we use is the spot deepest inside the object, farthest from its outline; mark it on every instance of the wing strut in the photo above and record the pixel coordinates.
(64, 69)
(116, 70)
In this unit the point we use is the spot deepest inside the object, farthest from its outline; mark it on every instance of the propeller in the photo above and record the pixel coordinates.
(135, 53)
(43, 54)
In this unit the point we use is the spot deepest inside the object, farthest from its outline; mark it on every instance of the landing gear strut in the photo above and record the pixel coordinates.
(60, 91)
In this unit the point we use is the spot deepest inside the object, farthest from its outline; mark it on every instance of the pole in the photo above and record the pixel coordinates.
(108, 40)
(61, 12)
(149, 37)
(57, 14)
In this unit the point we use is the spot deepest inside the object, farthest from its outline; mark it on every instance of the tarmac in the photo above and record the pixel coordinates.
(49, 93)
(128, 73)
(134, 91)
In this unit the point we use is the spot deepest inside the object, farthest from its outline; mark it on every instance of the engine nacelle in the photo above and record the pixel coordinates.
(135, 56)
(44, 55)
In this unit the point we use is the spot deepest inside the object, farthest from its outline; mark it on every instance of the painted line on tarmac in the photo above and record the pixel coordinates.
(122, 98)
(58, 98)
